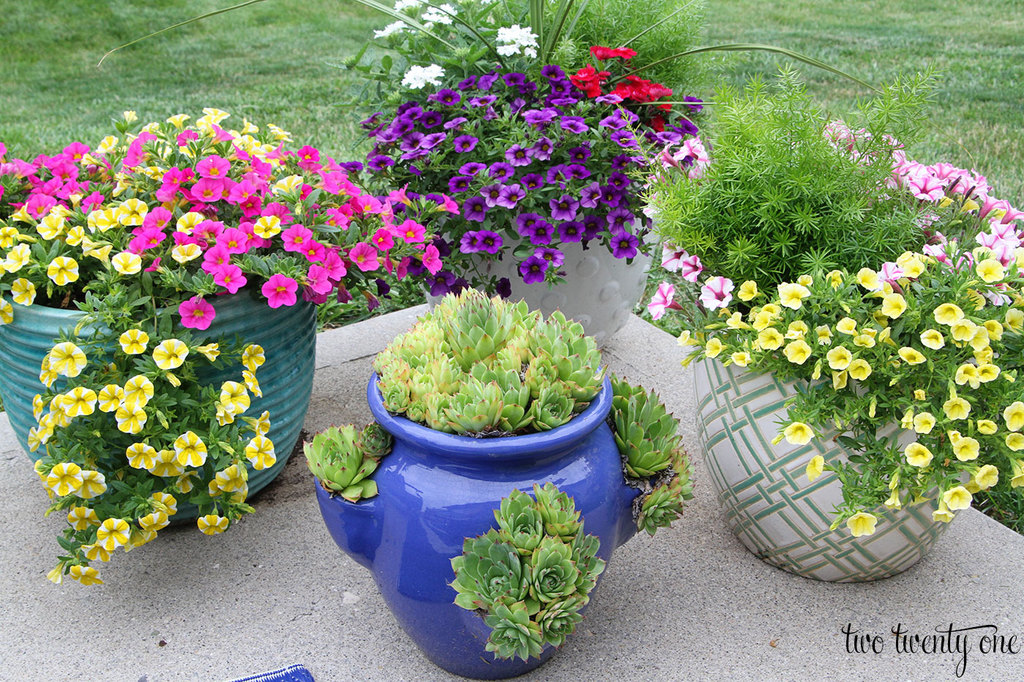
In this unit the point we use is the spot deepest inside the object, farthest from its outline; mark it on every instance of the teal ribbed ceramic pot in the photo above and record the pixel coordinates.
(288, 337)
(770, 505)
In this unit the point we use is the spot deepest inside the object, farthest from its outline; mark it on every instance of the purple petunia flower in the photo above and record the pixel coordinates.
(517, 155)
(618, 180)
(686, 128)
(379, 162)
(579, 154)
(482, 101)
(621, 161)
(470, 242)
(467, 83)
(564, 207)
(441, 283)
(619, 217)
(593, 224)
(577, 171)
(695, 103)
(532, 181)
(612, 121)
(532, 269)
(571, 231)
(610, 98)
(433, 139)
(556, 174)
(490, 242)
(475, 209)
(352, 166)
(485, 82)
(472, 168)
(668, 137)
(431, 119)
(446, 96)
(610, 196)
(540, 117)
(514, 79)
(407, 107)
(624, 139)
(624, 244)
(574, 124)
(563, 101)
(411, 141)
(415, 154)
(534, 228)
(455, 122)
(504, 287)
(464, 143)
(526, 221)
(386, 136)
(553, 72)
(510, 195)
(500, 170)
(542, 149)
(553, 256)
(491, 194)
(590, 195)
(459, 183)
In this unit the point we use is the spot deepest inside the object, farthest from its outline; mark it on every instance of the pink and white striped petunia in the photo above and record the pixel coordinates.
(716, 293)
(662, 300)
(690, 268)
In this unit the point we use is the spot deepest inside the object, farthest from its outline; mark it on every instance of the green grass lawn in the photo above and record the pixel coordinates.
(274, 62)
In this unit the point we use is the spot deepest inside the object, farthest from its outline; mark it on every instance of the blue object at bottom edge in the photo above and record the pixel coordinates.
(293, 673)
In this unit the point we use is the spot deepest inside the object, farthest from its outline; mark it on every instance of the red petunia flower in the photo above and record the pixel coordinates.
(603, 53)
(588, 79)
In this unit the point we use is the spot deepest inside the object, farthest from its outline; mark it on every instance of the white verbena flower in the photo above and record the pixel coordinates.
(407, 4)
(440, 14)
(516, 38)
(419, 76)
(390, 30)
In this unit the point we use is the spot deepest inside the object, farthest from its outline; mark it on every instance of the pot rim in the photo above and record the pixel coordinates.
(473, 450)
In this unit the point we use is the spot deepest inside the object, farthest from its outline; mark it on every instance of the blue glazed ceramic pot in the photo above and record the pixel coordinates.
(287, 334)
(436, 489)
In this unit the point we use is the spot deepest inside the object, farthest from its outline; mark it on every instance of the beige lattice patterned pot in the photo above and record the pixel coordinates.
(771, 506)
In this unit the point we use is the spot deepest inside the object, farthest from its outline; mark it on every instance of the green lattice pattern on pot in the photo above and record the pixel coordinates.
(771, 506)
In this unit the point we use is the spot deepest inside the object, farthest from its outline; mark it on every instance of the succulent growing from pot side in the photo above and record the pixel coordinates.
(343, 459)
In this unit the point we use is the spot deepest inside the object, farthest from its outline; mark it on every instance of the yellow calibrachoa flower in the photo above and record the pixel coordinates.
(211, 524)
(230, 479)
(261, 425)
(6, 312)
(170, 354)
(154, 521)
(190, 450)
(269, 227)
(967, 374)
(79, 402)
(87, 575)
(183, 253)
(112, 533)
(23, 292)
(966, 449)
(253, 384)
(735, 321)
(210, 351)
(911, 356)
(956, 408)
(1013, 415)
(1017, 469)
(986, 477)
(17, 258)
(62, 270)
(797, 352)
(185, 482)
(963, 330)
(127, 263)
(868, 278)
(740, 358)
(990, 270)
(81, 518)
(770, 338)
(824, 334)
(287, 184)
(798, 433)
(165, 502)
(166, 464)
(110, 398)
(711, 349)
(94, 484)
(893, 305)
(859, 369)
(948, 314)
(130, 418)
(924, 422)
(918, 455)
(942, 513)
(141, 456)
(133, 341)
(957, 498)
(1015, 441)
(815, 468)
(865, 340)
(792, 295)
(987, 426)
(95, 553)
(137, 391)
(235, 399)
(994, 329)
(131, 212)
(67, 359)
(839, 380)
(51, 226)
(65, 478)
(911, 264)
(260, 452)
(987, 372)
(747, 290)
(189, 221)
(1014, 319)
(847, 326)
(861, 523)
(253, 357)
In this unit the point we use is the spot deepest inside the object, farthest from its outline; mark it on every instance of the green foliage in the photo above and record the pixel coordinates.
(479, 365)
(344, 460)
(530, 577)
(653, 458)
(781, 197)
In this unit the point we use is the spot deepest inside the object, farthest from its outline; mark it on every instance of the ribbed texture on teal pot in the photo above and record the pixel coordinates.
(288, 337)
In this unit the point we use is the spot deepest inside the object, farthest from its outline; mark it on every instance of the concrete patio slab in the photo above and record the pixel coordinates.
(691, 603)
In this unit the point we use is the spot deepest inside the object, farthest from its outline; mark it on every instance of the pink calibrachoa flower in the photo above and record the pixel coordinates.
(207, 190)
(159, 218)
(367, 204)
(214, 258)
(145, 239)
(296, 237)
(364, 256)
(318, 280)
(309, 158)
(337, 217)
(448, 204)
(213, 167)
(716, 293)
(334, 265)
(432, 259)
(229, 276)
(383, 239)
(196, 313)
(155, 265)
(314, 251)
(234, 240)
(662, 300)
(280, 290)
(411, 231)
(399, 196)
